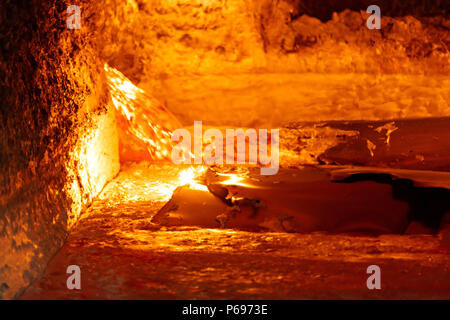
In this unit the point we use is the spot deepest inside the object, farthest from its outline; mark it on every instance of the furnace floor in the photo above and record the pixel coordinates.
(122, 255)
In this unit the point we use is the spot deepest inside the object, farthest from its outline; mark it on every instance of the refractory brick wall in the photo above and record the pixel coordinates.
(267, 62)
(58, 139)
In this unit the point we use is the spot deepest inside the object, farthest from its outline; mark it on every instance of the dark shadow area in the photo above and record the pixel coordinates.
(323, 10)
(427, 205)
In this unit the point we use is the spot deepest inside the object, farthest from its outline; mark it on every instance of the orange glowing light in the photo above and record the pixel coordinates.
(146, 123)
(235, 179)
(189, 177)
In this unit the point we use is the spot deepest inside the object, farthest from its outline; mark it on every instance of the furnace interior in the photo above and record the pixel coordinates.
(313, 70)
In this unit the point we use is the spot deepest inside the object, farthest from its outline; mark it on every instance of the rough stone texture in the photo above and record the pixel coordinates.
(55, 134)
(160, 39)
(123, 255)
(422, 144)
(269, 100)
(54, 120)
(254, 62)
(324, 9)
(416, 144)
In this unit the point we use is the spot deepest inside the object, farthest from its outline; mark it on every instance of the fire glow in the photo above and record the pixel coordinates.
(190, 176)
(145, 119)
(142, 117)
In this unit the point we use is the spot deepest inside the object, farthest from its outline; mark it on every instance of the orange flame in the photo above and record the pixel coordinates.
(190, 176)
(145, 123)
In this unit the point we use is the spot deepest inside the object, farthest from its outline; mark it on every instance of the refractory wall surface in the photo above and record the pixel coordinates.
(264, 63)
(58, 139)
